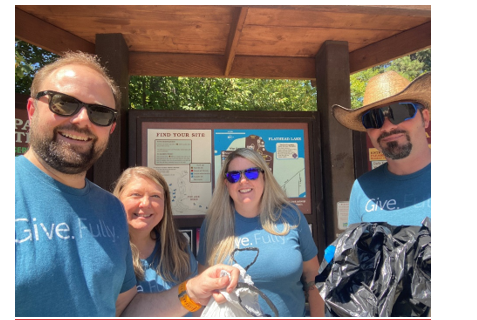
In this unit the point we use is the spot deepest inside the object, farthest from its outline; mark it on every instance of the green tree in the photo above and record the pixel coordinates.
(28, 59)
(182, 93)
(410, 67)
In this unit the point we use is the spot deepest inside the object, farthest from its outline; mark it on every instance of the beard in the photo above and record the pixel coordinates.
(61, 155)
(393, 150)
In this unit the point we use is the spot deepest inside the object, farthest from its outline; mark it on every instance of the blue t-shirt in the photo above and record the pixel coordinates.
(155, 283)
(381, 196)
(279, 264)
(72, 253)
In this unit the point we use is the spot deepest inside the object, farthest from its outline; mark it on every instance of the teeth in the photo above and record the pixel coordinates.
(245, 190)
(74, 137)
(143, 215)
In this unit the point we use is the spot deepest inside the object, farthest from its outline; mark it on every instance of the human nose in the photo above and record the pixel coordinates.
(144, 202)
(387, 125)
(81, 116)
(243, 177)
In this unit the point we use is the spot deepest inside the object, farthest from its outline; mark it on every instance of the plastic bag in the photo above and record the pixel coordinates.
(378, 270)
(243, 301)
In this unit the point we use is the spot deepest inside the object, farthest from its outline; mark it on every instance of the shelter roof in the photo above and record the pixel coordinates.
(275, 42)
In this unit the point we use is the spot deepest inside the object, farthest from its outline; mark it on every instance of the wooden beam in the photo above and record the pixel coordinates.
(332, 86)
(45, 35)
(199, 65)
(404, 43)
(234, 36)
(395, 10)
(176, 65)
(113, 52)
(273, 68)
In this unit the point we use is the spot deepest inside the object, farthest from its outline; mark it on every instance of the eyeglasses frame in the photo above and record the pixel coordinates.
(82, 104)
(242, 174)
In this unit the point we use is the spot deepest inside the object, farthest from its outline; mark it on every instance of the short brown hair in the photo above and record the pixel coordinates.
(76, 58)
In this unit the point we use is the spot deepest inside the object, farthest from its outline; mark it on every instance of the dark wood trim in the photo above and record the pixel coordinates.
(399, 45)
(360, 153)
(332, 87)
(44, 35)
(113, 53)
(21, 101)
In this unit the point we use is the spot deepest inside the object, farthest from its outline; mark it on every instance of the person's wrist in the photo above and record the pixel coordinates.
(185, 300)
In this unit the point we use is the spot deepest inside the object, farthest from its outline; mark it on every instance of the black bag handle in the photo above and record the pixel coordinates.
(245, 249)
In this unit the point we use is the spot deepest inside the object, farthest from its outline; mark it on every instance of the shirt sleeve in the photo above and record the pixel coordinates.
(353, 213)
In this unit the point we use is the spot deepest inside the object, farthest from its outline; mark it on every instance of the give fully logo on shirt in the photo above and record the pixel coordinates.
(37, 231)
(258, 239)
(408, 200)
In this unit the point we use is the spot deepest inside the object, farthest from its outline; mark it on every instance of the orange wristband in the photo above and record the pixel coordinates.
(186, 301)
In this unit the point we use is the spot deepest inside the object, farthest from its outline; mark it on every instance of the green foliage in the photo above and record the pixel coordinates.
(409, 67)
(181, 93)
(28, 59)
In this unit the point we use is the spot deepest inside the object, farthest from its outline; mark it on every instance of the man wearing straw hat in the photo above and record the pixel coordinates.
(395, 114)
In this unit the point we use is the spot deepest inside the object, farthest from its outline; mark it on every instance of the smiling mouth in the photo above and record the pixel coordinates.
(143, 215)
(392, 137)
(245, 190)
(74, 137)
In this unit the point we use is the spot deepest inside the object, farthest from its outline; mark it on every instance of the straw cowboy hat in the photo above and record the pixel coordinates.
(384, 89)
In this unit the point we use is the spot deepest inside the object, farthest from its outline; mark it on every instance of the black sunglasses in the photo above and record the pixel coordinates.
(67, 106)
(250, 174)
(396, 113)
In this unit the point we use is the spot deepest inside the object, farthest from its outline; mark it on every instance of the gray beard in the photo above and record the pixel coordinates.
(64, 157)
(392, 150)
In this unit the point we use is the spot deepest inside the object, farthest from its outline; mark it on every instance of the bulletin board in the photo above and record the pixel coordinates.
(189, 151)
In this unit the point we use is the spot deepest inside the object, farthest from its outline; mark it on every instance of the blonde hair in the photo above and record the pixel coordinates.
(174, 259)
(220, 217)
(76, 58)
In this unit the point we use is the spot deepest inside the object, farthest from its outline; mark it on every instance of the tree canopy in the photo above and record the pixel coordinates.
(183, 93)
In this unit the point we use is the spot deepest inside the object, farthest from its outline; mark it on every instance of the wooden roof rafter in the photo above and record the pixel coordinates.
(234, 36)
(274, 42)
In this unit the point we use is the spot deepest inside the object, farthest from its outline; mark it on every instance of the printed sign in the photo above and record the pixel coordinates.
(342, 211)
(190, 156)
(183, 157)
(22, 131)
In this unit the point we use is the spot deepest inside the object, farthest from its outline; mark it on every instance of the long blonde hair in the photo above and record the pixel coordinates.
(174, 260)
(220, 217)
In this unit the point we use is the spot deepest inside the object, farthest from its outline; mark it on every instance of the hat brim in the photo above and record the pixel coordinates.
(419, 90)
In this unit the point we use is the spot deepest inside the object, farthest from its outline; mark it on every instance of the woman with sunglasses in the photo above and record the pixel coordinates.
(161, 255)
(250, 210)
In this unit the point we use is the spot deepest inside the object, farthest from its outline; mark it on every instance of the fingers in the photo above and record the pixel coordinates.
(234, 277)
(201, 287)
(219, 297)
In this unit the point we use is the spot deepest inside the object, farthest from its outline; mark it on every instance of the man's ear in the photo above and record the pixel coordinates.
(30, 108)
(426, 118)
(112, 128)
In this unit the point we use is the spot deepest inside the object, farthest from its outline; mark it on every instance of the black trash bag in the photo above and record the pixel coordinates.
(378, 270)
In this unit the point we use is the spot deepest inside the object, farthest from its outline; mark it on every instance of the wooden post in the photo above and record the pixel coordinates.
(114, 55)
(333, 87)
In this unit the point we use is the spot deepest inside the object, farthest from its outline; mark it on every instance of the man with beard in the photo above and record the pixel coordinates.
(72, 253)
(395, 114)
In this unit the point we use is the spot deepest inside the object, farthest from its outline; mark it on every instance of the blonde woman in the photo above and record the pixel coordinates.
(248, 210)
(161, 254)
